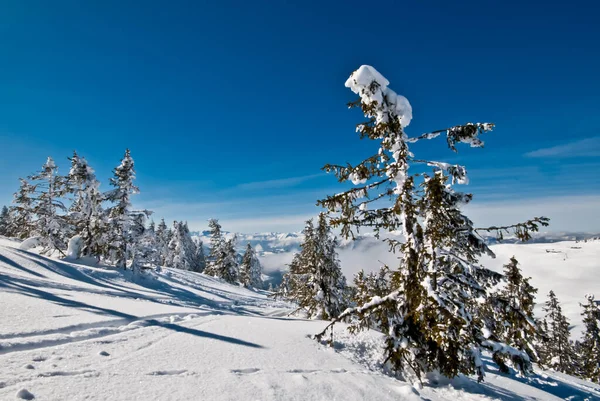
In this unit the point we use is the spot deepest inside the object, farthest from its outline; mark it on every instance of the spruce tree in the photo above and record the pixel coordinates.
(315, 280)
(163, 238)
(556, 351)
(200, 258)
(182, 248)
(222, 259)
(250, 269)
(21, 212)
(86, 213)
(51, 226)
(4, 222)
(589, 349)
(513, 306)
(432, 320)
(119, 213)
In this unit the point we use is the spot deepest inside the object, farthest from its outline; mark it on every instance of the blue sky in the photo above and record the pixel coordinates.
(231, 108)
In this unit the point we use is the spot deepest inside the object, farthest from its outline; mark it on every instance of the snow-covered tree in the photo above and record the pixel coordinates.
(513, 306)
(51, 226)
(200, 257)
(163, 238)
(5, 226)
(589, 347)
(555, 349)
(250, 269)
(216, 240)
(21, 212)
(315, 280)
(431, 307)
(222, 260)
(182, 248)
(86, 213)
(119, 213)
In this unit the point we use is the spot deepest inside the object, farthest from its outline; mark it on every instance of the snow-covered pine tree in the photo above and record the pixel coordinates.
(51, 226)
(163, 238)
(21, 211)
(5, 222)
(432, 321)
(86, 214)
(222, 261)
(120, 219)
(250, 269)
(589, 347)
(182, 248)
(200, 258)
(555, 350)
(329, 280)
(315, 280)
(216, 241)
(513, 307)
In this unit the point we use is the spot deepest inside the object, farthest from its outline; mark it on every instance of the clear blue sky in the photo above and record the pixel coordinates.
(231, 108)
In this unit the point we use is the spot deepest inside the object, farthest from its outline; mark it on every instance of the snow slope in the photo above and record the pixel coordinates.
(71, 332)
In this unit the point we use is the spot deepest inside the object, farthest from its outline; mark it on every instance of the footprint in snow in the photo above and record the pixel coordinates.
(23, 394)
(39, 358)
(167, 372)
(29, 366)
(245, 371)
(103, 353)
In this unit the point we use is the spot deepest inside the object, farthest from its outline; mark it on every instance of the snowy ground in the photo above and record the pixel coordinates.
(71, 332)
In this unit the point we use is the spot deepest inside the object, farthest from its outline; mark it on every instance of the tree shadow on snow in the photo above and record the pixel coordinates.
(13, 284)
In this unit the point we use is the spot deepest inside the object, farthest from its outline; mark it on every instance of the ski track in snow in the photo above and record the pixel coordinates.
(75, 332)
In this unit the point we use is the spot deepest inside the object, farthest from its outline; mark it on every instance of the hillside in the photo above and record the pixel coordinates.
(75, 332)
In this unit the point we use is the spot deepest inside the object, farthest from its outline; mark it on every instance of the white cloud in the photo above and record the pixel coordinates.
(589, 147)
(279, 183)
(567, 213)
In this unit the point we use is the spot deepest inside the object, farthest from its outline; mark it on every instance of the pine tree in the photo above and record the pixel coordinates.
(5, 222)
(182, 248)
(216, 240)
(556, 351)
(49, 225)
(432, 320)
(222, 260)
(86, 213)
(513, 305)
(589, 349)
(250, 269)
(163, 238)
(200, 258)
(315, 280)
(119, 214)
(21, 213)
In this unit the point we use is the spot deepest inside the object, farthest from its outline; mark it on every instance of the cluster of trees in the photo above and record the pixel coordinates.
(69, 215)
(440, 308)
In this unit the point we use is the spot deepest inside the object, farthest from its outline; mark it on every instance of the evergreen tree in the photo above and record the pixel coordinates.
(119, 213)
(200, 258)
(589, 347)
(315, 280)
(86, 213)
(432, 320)
(250, 269)
(556, 351)
(182, 248)
(49, 225)
(21, 213)
(513, 305)
(216, 241)
(5, 222)
(163, 238)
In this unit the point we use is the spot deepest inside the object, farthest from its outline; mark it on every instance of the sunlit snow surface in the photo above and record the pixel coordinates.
(71, 332)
